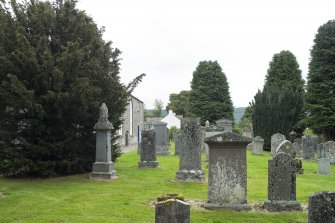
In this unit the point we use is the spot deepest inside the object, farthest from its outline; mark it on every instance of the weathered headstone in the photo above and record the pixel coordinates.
(226, 124)
(321, 151)
(227, 172)
(315, 142)
(276, 139)
(281, 184)
(103, 168)
(321, 207)
(329, 148)
(307, 148)
(148, 153)
(203, 136)
(286, 147)
(249, 146)
(190, 156)
(161, 138)
(257, 145)
(298, 166)
(172, 211)
(207, 124)
(178, 144)
(324, 166)
(297, 147)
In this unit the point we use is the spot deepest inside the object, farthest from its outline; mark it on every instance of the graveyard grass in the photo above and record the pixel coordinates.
(77, 199)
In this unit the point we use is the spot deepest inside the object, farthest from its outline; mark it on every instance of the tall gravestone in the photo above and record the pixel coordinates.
(227, 172)
(161, 138)
(281, 184)
(190, 156)
(321, 207)
(321, 151)
(103, 168)
(177, 144)
(297, 147)
(323, 166)
(308, 148)
(172, 211)
(257, 145)
(286, 147)
(148, 152)
(329, 149)
(276, 139)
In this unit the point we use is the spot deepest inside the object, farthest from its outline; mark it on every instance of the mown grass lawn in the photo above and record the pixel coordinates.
(77, 199)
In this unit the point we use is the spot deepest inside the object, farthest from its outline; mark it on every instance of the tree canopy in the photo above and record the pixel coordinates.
(56, 70)
(320, 96)
(209, 97)
(179, 103)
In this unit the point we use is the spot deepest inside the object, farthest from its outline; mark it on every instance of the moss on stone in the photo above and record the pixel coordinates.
(165, 197)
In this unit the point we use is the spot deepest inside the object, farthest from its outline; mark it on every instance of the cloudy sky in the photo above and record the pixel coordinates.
(167, 39)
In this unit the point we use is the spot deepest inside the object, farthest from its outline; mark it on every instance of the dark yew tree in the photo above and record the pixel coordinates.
(278, 108)
(56, 70)
(209, 96)
(320, 96)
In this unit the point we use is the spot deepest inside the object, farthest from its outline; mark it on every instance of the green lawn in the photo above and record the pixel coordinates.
(77, 199)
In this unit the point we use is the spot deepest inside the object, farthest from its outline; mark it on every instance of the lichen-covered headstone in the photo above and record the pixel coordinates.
(257, 145)
(226, 124)
(172, 211)
(177, 144)
(161, 138)
(281, 184)
(297, 147)
(286, 147)
(315, 142)
(227, 172)
(321, 151)
(103, 168)
(321, 207)
(323, 166)
(307, 148)
(148, 152)
(190, 156)
(329, 148)
(276, 139)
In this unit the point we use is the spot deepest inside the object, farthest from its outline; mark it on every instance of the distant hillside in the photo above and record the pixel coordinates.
(238, 113)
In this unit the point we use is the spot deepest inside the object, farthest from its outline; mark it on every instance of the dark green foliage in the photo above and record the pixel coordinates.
(320, 96)
(209, 97)
(246, 120)
(173, 130)
(158, 107)
(278, 108)
(56, 70)
(178, 103)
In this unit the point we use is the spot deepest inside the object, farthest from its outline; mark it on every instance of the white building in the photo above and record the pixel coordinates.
(172, 120)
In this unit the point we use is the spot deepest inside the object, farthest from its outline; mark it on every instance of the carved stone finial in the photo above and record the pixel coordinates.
(103, 113)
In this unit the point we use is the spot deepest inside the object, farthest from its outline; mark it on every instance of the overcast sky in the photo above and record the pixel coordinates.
(167, 39)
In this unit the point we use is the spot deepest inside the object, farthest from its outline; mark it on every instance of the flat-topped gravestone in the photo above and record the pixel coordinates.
(172, 211)
(321, 151)
(286, 147)
(307, 148)
(103, 168)
(329, 149)
(148, 152)
(161, 138)
(227, 172)
(276, 139)
(190, 156)
(321, 207)
(257, 145)
(323, 166)
(281, 184)
(226, 124)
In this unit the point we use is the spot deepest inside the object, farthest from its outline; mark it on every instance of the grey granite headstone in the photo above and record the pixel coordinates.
(226, 124)
(321, 207)
(281, 184)
(315, 142)
(207, 124)
(257, 145)
(148, 153)
(103, 168)
(286, 147)
(307, 148)
(276, 139)
(178, 144)
(203, 136)
(172, 211)
(324, 166)
(329, 148)
(227, 172)
(161, 138)
(190, 156)
(321, 151)
(297, 149)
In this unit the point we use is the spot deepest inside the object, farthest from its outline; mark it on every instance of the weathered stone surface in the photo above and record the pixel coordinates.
(257, 145)
(321, 207)
(329, 148)
(324, 166)
(297, 149)
(281, 184)
(178, 144)
(161, 138)
(276, 139)
(286, 147)
(307, 148)
(190, 156)
(148, 152)
(227, 172)
(103, 168)
(315, 142)
(298, 166)
(321, 151)
(203, 136)
(226, 124)
(207, 124)
(172, 211)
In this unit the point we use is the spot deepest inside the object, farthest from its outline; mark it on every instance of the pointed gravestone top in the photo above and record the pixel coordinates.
(258, 139)
(286, 147)
(228, 137)
(207, 124)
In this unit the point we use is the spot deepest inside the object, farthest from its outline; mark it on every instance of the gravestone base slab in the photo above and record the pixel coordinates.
(148, 164)
(277, 206)
(190, 176)
(103, 175)
(233, 207)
